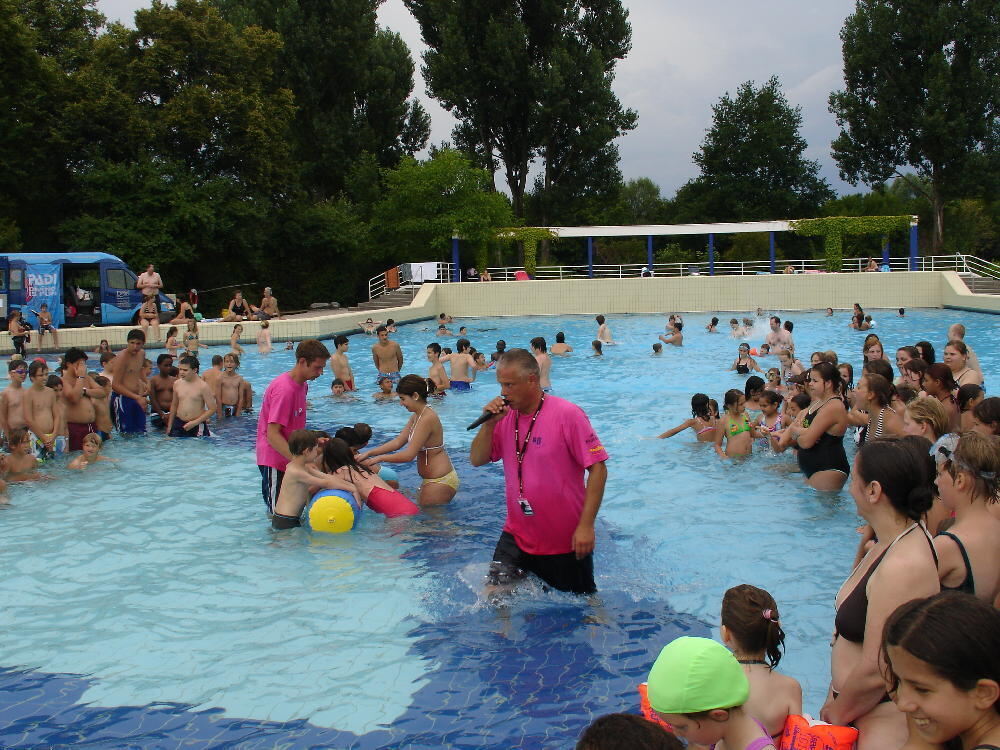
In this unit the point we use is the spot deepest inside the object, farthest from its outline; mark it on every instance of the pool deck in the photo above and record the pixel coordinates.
(721, 294)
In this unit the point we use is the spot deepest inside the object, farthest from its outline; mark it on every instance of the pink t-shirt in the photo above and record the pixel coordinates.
(149, 283)
(285, 404)
(563, 445)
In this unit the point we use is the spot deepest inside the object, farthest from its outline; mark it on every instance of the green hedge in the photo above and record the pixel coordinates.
(833, 229)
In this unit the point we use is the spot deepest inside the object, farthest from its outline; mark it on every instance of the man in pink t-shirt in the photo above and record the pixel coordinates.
(554, 473)
(283, 411)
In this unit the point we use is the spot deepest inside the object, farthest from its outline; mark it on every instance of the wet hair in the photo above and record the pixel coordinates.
(339, 339)
(880, 388)
(502, 345)
(384, 379)
(850, 374)
(987, 411)
(462, 344)
(105, 358)
(216, 360)
(959, 346)
(337, 453)
(338, 381)
(442, 327)
(17, 435)
(657, 347)
(772, 397)
(801, 400)
(600, 320)
(979, 456)
(754, 384)
(715, 321)
(916, 365)
(821, 355)
(734, 322)
(598, 346)
(538, 343)
(911, 350)
(560, 338)
(871, 343)
(432, 388)
(773, 371)
(74, 354)
(699, 406)
(829, 373)
(713, 407)
(788, 326)
(310, 350)
(941, 372)
(751, 615)
(626, 732)
(391, 322)
(234, 356)
(37, 366)
(775, 319)
(763, 347)
(93, 437)
(101, 380)
(302, 440)
(52, 381)
(966, 395)
(906, 393)
(520, 358)
(679, 325)
(363, 431)
(442, 316)
(905, 471)
(926, 349)
(412, 385)
(732, 397)
(191, 362)
(172, 331)
(163, 358)
(136, 334)
(878, 367)
(955, 634)
(435, 347)
(238, 325)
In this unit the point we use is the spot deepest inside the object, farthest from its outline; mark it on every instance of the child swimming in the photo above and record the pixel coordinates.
(91, 452)
(942, 657)
(751, 628)
(701, 421)
(734, 427)
(698, 687)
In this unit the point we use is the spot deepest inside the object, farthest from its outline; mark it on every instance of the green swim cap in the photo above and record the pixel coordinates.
(696, 674)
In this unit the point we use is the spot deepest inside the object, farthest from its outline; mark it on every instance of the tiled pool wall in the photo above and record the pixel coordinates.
(609, 296)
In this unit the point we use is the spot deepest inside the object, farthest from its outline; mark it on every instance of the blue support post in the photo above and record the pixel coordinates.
(914, 252)
(770, 242)
(590, 257)
(456, 270)
(711, 255)
(885, 252)
(649, 251)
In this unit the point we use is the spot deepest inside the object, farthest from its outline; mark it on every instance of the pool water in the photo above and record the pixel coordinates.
(147, 603)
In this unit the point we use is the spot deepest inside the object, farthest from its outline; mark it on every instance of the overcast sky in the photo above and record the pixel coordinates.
(684, 57)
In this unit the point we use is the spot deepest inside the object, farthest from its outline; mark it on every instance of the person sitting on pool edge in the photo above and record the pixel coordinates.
(302, 475)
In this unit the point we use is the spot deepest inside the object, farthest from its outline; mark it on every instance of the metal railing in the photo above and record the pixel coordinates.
(965, 264)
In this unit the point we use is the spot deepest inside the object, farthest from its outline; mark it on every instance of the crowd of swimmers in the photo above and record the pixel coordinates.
(915, 659)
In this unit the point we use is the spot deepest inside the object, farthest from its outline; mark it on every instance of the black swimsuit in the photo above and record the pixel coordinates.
(968, 584)
(826, 455)
(239, 309)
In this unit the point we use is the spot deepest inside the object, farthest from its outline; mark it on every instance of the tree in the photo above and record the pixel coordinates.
(752, 162)
(922, 89)
(427, 203)
(528, 79)
(351, 81)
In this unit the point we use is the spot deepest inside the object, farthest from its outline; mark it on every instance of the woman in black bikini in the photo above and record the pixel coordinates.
(892, 488)
(819, 431)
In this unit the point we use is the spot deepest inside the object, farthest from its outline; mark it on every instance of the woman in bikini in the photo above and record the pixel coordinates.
(892, 489)
(818, 431)
(874, 415)
(149, 315)
(422, 439)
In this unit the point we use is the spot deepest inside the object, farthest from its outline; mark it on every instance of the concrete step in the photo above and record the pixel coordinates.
(982, 284)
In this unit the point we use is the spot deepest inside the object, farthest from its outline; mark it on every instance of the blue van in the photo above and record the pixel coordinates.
(80, 289)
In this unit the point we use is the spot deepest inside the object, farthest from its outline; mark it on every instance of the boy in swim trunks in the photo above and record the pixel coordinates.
(12, 397)
(213, 373)
(193, 403)
(340, 366)
(102, 409)
(41, 412)
(437, 372)
(229, 392)
(128, 404)
(387, 355)
(461, 364)
(161, 390)
(79, 393)
(302, 477)
(45, 326)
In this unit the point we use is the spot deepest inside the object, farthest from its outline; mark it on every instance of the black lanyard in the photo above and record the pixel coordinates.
(521, 450)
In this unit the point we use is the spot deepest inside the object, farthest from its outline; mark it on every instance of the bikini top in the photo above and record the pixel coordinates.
(426, 448)
(968, 584)
(240, 308)
(852, 614)
(761, 742)
(863, 434)
(736, 429)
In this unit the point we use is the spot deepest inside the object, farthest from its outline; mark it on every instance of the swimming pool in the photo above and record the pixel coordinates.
(148, 603)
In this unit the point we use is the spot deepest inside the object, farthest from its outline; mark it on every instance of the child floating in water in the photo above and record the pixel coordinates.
(700, 689)
(91, 452)
(701, 421)
(752, 630)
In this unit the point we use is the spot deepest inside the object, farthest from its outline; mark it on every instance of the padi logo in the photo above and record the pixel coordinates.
(42, 284)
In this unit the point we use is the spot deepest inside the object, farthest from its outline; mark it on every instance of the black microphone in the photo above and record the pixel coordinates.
(486, 416)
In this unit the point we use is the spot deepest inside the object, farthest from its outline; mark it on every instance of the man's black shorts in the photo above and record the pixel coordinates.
(563, 572)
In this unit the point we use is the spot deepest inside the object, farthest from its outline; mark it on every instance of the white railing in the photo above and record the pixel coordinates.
(967, 264)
